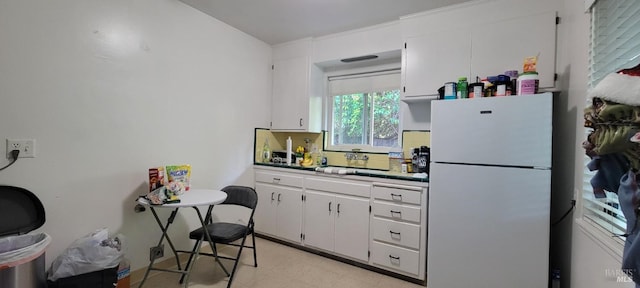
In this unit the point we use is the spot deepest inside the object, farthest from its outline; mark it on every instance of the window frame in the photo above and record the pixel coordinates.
(328, 100)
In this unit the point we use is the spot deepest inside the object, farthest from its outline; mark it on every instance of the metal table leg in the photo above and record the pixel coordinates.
(164, 229)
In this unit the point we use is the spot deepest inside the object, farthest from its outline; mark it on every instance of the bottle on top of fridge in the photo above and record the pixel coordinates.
(450, 91)
(476, 89)
(461, 86)
(528, 83)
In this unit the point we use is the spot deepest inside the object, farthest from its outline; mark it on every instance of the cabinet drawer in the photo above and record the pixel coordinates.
(410, 195)
(396, 212)
(336, 186)
(279, 179)
(396, 258)
(397, 233)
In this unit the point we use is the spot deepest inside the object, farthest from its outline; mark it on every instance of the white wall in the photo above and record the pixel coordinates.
(111, 88)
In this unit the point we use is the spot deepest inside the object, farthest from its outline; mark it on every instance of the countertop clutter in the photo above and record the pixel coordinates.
(419, 177)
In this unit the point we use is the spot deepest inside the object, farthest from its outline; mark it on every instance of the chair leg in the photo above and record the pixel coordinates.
(193, 251)
(214, 248)
(235, 265)
(255, 259)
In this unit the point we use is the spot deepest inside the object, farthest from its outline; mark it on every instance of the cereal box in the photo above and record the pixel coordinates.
(156, 178)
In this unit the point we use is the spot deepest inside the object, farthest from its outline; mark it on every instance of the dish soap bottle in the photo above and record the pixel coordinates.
(266, 151)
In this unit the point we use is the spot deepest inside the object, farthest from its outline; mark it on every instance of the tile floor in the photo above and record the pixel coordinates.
(280, 266)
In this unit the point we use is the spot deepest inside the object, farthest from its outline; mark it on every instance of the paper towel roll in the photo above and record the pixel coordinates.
(289, 147)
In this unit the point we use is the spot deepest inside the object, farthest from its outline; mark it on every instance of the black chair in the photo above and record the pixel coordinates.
(228, 233)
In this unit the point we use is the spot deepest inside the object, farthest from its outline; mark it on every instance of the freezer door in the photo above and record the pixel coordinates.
(513, 131)
(488, 227)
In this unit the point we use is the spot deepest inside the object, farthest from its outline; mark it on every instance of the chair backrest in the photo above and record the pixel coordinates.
(241, 195)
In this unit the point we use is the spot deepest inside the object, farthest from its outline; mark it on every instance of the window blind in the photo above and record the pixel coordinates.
(615, 45)
(365, 82)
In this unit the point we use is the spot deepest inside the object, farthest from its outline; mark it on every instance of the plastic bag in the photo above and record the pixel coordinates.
(93, 252)
(16, 250)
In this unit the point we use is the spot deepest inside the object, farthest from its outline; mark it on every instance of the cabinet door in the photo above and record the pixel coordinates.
(319, 211)
(516, 39)
(352, 227)
(431, 60)
(289, 213)
(290, 107)
(265, 214)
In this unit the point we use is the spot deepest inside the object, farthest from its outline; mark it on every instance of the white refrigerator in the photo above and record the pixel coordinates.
(490, 192)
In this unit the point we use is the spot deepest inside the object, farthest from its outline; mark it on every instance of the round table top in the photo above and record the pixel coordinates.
(193, 197)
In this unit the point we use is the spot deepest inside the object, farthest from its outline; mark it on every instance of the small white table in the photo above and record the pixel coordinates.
(192, 198)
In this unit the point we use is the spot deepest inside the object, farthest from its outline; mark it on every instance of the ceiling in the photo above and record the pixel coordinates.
(279, 21)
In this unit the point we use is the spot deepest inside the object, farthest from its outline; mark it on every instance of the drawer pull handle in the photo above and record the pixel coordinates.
(279, 197)
(395, 212)
(338, 208)
(394, 233)
(393, 196)
(394, 257)
(276, 179)
(272, 195)
(329, 206)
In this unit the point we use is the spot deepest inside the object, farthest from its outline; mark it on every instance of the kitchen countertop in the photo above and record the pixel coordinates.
(358, 172)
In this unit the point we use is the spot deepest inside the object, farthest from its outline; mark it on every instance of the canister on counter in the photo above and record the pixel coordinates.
(415, 154)
(450, 91)
(423, 159)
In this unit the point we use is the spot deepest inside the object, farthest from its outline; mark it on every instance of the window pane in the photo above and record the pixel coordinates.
(364, 110)
(350, 114)
(386, 118)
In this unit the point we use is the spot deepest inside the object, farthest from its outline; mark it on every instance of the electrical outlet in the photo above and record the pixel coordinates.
(27, 147)
(156, 252)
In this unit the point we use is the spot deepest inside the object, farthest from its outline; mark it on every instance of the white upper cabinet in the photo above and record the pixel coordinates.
(297, 89)
(476, 39)
(513, 40)
(432, 59)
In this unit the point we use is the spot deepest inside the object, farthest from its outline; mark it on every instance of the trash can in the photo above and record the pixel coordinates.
(90, 261)
(22, 256)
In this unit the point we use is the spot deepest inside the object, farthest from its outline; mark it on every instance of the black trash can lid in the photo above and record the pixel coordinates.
(20, 211)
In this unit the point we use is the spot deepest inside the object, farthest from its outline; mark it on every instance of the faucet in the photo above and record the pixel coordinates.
(355, 155)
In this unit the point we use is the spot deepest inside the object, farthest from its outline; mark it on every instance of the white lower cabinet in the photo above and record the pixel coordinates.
(398, 228)
(279, 210)
(334, 222)
(380, 224)
(396, 258)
